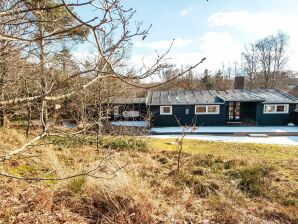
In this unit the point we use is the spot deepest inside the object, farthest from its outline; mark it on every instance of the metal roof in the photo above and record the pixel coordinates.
(218, 97)
(183, 97)
(274, 96)
(128, 100)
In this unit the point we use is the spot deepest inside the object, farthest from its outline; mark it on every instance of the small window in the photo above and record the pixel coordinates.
(207, 109)
(212, 109)
(270, 109)
(201, 109)
(166, 110)
(276, 108)
(280, 108)
(187, 111)
(116, 110)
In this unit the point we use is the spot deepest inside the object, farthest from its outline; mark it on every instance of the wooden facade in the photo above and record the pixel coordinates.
(209, 108)
(236, 107)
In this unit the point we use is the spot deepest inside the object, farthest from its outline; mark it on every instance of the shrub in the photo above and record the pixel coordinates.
(131, 143)
(70, 142)
(205, 161)
(254, 180)
(230, 164)
(200, 186)
(290, 201)
(76, 185)
(163, 160)
(198, 171)
(201, 189)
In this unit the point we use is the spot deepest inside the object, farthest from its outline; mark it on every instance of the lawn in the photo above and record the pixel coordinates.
(230, 150)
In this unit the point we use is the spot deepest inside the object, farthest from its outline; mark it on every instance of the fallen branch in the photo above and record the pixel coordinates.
(24, 147)
(89, 173)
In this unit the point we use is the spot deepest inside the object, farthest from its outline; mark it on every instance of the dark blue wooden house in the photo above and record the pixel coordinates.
(217, 108)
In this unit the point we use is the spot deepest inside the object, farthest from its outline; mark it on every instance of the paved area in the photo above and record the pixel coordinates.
(130, 123)
(283, 140)
(225, 130)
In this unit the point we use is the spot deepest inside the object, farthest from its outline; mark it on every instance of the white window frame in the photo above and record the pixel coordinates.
(162, 113)
(275, 110)
(206, 106)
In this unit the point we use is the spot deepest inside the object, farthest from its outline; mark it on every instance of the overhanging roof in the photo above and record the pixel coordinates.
(128, 100)
(181, 97)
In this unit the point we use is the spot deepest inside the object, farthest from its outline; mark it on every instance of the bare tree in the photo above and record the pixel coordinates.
(43, 29)
(265, 61)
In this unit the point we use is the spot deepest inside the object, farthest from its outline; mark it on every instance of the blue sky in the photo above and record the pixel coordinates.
(217, 29)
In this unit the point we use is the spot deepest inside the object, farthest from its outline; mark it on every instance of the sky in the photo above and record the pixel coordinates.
(217, 29)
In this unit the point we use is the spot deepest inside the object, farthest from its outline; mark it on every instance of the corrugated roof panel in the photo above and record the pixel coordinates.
(172, 97)
(213, 96)
(164, 97)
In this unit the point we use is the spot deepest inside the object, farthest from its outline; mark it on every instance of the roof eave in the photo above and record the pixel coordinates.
(184, 104)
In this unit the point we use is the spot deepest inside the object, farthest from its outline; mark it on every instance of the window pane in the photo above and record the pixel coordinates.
(201, 109)
(186, 111)
(280, 108)
(212, 109)
(166, 110)
(269, 108)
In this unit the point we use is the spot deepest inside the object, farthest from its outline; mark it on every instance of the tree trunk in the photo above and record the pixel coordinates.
(43, 83)
(3, 71)
(28, 120)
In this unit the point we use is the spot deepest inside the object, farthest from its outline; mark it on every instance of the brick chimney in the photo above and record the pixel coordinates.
(239, 82)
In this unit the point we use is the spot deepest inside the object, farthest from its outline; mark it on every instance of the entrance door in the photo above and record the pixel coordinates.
(234, 111)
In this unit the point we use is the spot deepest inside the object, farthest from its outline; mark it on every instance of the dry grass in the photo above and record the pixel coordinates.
(217, 183)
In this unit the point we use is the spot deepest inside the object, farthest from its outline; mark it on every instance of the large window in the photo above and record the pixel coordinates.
(276, 108)
(207, 109)
(166, 110)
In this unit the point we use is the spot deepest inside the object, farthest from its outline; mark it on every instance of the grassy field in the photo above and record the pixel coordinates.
(236, 150)
(216, 183)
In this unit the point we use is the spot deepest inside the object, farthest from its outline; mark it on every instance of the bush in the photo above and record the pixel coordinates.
(254, 180)
(76, 185)
(198, 171)
(130, 143)
(70, 141)
(201, 187)
(290, 201)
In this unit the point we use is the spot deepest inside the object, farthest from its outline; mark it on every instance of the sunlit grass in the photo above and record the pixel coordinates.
(228, 150)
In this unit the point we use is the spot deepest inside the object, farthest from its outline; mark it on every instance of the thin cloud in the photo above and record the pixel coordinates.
(184, 12)
(259, 25)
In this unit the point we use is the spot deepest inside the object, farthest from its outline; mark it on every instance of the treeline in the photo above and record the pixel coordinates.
(263, 64)
(39, 74)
